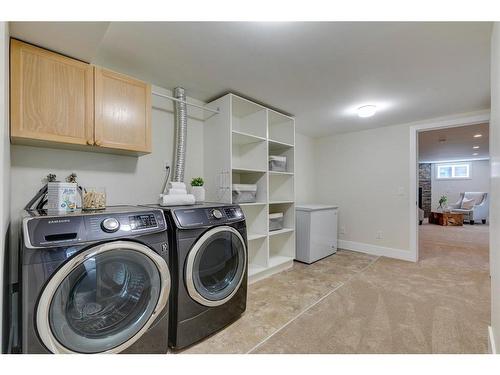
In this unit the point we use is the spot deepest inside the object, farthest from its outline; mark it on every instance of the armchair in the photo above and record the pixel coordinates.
(480, 210)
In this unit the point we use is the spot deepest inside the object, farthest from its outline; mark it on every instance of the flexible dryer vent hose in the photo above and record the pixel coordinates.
(180, 118)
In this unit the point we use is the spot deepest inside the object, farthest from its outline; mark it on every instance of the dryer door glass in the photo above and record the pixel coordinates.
(106, 299)
(218, 265)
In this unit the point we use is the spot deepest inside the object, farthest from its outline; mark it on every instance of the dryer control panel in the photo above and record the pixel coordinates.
(70, 229)
(207, 216)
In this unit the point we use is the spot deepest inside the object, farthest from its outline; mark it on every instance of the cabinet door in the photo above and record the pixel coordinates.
(122, 112)
(51, 96)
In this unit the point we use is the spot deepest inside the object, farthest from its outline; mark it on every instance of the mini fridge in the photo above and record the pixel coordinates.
(316, 232)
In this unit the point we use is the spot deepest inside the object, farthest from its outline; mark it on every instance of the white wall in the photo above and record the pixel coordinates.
(495, 184)
(479, 181)
(127, 179)
(366, 174)
(305, 170)
(4, 154)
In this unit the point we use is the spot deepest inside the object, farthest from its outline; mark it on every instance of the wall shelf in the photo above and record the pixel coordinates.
(244, 135)
(276, 145)
(278, 260)
(281, 173)
(281, 231)
(248, 170)
(241, 138)
(252, 237)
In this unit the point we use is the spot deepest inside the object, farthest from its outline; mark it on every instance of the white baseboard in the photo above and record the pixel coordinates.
(492, 348)
(377, 250)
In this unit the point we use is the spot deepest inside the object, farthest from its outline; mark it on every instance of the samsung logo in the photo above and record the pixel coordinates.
(59, 221)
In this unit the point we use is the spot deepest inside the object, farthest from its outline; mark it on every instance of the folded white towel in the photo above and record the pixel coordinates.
(176, 185)
(176, 200)
(177, 191)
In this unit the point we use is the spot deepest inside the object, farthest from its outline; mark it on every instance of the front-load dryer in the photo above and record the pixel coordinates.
(209, 270)
(94, 282)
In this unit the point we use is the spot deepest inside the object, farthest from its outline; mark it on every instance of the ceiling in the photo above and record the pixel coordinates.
(321, 72)
(454, 143)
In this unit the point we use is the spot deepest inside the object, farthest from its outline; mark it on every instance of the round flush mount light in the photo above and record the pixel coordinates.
(475, 154)
(367, 110)
(478, 135)
(475, 147)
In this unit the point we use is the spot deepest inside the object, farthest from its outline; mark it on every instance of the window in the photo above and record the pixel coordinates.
(453, 171)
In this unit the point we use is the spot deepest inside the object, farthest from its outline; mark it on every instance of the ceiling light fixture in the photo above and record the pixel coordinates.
(475, 147)
(475, 154)
(478, 135)
(367, 110)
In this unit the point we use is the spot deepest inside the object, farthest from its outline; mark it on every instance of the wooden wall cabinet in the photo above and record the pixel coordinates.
(122, 112)
(57, 101)
(52, 96)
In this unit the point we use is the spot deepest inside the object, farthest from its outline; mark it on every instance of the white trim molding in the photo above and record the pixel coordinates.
(440, 123)
(377, 250)
(492, 348)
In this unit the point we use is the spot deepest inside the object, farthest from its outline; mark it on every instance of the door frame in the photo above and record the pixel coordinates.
(457, 121)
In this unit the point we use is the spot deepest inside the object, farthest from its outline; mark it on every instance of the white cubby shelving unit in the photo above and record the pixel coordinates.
(237, 144)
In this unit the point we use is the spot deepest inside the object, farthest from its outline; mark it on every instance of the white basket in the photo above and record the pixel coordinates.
(277, 163)
(276, 221)
(244, 193)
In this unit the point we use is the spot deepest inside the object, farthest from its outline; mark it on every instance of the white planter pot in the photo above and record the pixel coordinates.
(199, 193)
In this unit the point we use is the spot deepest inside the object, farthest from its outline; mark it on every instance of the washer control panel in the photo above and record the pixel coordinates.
(71, 229)
(204, 217)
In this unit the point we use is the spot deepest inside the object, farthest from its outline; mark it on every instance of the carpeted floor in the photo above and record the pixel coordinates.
(357, 303)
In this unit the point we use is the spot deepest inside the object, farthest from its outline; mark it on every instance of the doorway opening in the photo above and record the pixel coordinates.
(453, 196)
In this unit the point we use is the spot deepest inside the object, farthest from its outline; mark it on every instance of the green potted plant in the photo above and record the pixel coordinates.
(443, 202)
(197, 189)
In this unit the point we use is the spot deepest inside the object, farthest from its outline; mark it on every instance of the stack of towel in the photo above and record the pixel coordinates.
(177, 195)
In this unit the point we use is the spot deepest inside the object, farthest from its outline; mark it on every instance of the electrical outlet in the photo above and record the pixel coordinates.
(379, 235)
(342, 229)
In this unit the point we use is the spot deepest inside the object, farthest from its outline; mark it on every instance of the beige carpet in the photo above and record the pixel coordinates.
(357, 303)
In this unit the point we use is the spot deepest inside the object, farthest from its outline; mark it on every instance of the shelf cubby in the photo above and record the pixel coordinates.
(255, 216)
(288, 210)
(248, 152)
(281, 187)
(248, 117)
(280, 149)
(281, 248)
(281, 128)
(252, 177)
(257, 255)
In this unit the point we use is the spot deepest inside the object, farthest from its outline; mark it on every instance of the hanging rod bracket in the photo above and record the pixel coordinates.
(186, 102)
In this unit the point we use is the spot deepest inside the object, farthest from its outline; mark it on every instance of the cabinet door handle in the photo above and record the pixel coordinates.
(90, 142)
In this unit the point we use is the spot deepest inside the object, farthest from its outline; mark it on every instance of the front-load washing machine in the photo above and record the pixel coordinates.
(94, 282)
(209, 270)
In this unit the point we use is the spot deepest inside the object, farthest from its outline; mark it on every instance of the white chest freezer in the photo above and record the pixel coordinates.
(316, 232)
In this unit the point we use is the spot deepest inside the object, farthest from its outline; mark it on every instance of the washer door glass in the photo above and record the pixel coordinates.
(218, 266)
(104, 301)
